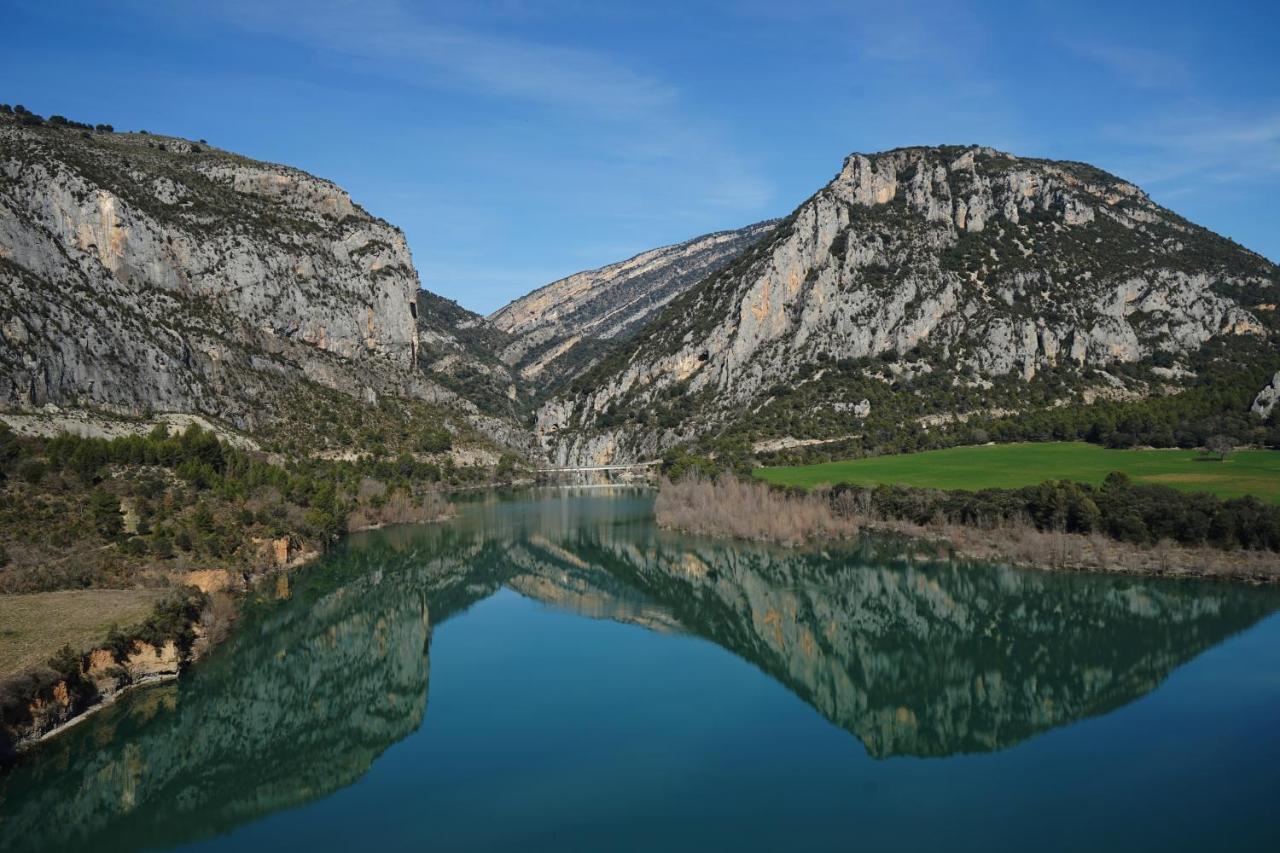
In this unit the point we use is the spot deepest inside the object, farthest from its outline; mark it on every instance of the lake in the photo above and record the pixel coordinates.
(550, 671)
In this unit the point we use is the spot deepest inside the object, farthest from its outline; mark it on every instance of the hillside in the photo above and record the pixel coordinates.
(459, 349)
(145, 274)
(919, 288)
(561, 329)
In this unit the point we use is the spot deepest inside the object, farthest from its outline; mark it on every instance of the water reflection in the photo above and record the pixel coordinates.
(912, 655)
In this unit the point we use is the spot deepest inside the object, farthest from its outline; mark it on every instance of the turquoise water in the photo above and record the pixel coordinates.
(551, 672)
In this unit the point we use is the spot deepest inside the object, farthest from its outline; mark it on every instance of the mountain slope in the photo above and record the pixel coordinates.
(149, 274)
(557, 330)
(920, 285)
(459, 349)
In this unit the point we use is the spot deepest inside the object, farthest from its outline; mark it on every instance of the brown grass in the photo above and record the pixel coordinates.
(400, 507)
(747, 510)
(34, 626)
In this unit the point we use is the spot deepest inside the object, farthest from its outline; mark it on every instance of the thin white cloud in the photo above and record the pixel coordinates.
(1201, 145)
(630, 120)
(405, 43)
(1142, 67)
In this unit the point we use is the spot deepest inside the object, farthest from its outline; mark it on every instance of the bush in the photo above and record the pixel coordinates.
(32, 471)
(1139, 514)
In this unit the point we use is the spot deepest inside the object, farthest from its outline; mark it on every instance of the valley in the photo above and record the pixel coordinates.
(212, 369)
(509, 426)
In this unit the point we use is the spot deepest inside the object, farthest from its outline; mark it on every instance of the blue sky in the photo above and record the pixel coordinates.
(517, 142)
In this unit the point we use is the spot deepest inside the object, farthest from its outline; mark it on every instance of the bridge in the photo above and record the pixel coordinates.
(588, 468)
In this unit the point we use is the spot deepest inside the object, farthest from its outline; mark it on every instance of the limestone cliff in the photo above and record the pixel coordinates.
(959, 276)
(143, 274)
(1267, 397)
(559, 329)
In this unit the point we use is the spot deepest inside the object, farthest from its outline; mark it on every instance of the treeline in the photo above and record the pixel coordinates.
(1120, 509)
(191, 498)
(1189, 419)
(25, 116)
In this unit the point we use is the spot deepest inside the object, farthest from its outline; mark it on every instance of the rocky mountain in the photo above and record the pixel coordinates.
(917, 287)
(558, 330)
(146, 274)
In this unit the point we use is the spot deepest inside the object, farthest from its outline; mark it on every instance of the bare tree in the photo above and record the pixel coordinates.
(1221, 445)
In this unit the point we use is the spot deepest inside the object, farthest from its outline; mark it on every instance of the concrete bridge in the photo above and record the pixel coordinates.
(588, 468)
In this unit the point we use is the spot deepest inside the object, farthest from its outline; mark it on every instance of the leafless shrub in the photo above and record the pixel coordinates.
(369, 489)
(729, 506)
(400, 507)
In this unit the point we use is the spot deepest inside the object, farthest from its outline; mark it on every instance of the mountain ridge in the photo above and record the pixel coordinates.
(564, 326)
(148, 273)
(962, 262)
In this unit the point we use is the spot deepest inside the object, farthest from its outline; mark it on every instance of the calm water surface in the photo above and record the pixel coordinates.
(551, 672)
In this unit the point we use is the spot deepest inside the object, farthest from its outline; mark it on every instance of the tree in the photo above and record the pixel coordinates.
(104, 509)
(1221, 445)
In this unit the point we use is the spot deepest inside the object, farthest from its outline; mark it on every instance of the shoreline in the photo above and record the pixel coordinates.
(25, 746)
(753, 511)
(24, 742)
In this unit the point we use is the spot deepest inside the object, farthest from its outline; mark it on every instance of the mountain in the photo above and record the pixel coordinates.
(560, 329)
(144, 274)
(459, 349)
(921, 286)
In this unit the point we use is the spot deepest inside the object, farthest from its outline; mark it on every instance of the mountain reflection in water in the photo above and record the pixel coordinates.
(911, 655)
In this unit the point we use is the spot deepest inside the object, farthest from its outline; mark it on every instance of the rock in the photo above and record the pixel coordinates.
(1267, 397)
(140, 276)
(610, 303)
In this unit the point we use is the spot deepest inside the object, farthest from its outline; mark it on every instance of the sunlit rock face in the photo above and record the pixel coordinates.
(556, 328)
(967, 265)
(1267, 398)
(148, 273)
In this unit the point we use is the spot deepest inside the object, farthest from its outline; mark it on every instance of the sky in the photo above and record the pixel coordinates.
(516, 142)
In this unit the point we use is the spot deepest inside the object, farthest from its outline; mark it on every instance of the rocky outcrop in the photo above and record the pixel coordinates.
(143, 274)
(555, 327)
(460, 350)
(965, 264)
(1267, 397)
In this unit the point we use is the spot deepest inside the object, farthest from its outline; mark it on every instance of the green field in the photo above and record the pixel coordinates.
(1245, 472)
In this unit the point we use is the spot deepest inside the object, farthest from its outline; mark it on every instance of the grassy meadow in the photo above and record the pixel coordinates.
(1244, 472)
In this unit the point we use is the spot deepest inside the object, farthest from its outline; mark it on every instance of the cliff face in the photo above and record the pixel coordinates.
(977, 268)
(151, 274)
(560, 327)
